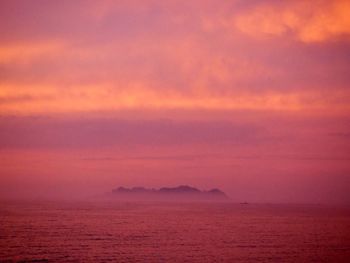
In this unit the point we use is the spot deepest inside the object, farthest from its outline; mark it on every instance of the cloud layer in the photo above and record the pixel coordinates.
(78, 57)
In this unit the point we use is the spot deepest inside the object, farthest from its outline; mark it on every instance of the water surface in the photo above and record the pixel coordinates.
(170, 232)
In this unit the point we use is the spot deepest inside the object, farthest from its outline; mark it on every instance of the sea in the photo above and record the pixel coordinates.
(105, 231)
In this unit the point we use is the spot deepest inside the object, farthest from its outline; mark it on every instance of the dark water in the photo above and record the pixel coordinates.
(155, 232)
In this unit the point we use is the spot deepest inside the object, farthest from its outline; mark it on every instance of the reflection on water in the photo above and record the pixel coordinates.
(160, 232)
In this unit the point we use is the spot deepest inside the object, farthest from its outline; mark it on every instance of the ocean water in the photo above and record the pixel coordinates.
(170, 232)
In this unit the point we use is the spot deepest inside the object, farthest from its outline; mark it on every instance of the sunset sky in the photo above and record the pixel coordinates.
(251, 97)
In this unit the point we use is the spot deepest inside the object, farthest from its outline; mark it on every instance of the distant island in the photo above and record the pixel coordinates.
(179, 193)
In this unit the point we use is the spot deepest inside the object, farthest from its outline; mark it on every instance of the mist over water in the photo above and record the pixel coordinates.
(105, 231)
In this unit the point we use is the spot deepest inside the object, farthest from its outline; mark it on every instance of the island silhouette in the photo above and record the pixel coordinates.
(179, 193)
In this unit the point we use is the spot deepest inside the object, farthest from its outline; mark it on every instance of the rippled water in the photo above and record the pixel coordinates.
(160, 232)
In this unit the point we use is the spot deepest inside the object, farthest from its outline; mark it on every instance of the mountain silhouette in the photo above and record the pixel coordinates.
(179, 193)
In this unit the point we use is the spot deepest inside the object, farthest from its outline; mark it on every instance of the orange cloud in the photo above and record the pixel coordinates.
(26, 52)
(308, 21)
(24, 100)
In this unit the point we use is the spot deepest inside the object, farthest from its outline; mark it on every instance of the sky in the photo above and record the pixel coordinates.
(251, 97)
